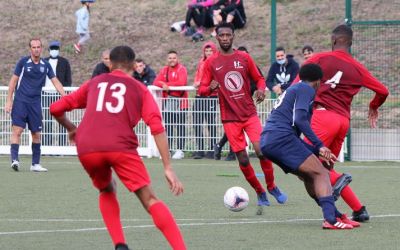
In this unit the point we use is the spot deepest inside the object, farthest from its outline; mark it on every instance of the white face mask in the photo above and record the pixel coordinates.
(54, 53)
(281, 61)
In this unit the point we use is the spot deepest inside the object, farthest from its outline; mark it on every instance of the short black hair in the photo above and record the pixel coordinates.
(225, 25)
(280, 48)
(242, 48)
(172, 52)
(140, 60)
(308, 48)
(310, 72)
(343, 30)
(122, 55)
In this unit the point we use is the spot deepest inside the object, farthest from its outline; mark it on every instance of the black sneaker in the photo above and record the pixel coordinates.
(361, 215)
(231, 156)
(198, 155)
(217, 152)
(121, 246)
(341, 183)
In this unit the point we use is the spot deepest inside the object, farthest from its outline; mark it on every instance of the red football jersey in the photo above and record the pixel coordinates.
(233, 73)
(343, 77)
(114, 103)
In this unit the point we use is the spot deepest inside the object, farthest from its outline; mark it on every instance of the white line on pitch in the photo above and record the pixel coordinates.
(222, 222)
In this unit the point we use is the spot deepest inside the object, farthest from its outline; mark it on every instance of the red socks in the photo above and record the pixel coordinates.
(251, 178)
(268, 170)
(109, 208)
(347, 193)
(165, 222)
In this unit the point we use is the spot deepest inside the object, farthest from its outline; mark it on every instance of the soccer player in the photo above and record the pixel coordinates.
(30, 75)
(342, 79)
(231, 71)
(280, 142)
(105, 140)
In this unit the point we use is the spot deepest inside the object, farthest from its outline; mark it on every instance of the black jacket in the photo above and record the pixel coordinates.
(100, 68)
(147, 78)
(63, 71)
(282, 74)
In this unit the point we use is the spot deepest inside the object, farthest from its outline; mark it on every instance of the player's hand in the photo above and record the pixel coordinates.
(259, 95)
(373, 117)
(214, 85)
(71, 135)
(175, 186)
(326, 155)
(277, 89)
(8, 107)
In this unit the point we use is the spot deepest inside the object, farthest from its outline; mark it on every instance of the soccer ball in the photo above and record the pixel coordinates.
(236, 199)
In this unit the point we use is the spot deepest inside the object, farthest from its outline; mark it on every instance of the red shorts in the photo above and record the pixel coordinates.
(235, 132)
(331, 128)
(129, 168)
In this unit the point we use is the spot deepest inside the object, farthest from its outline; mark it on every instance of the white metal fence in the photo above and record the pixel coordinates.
(197, 136)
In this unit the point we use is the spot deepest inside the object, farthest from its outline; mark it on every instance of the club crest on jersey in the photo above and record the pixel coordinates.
(233, 81)
(41, 69)
(237, 65)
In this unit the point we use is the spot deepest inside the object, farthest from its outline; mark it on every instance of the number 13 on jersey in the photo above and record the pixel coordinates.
(118, 92)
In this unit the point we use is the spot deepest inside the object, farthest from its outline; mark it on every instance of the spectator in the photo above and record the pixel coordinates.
(30, 74)
(104, 66)
(204, 108)
(282, 72)
(200, 12)
(62, 70)
(116, 151)
(229, 11)
(175, 103)
(143, 72)
(82, 24)
(307, 51)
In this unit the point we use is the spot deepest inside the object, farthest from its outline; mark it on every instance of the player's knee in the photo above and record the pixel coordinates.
(110, 188)
(244, 161)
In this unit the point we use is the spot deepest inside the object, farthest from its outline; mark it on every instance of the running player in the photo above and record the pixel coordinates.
(342, 79)
(231, 71)
(280, 142)
(105, 140)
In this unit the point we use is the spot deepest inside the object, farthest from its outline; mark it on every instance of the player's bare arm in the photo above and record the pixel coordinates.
(373, 117)
(68, 125)
(11, 88)
(57, 84)
(174, 183)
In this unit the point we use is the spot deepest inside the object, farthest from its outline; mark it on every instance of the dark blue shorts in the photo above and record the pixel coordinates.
(27, 113)
(286, 150)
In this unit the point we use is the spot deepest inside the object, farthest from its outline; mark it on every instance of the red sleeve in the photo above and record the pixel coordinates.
(255, 74)
(370, 82)
(206, 79)
(75, 100)
(199, 71)
(160, 77)
(151, 114)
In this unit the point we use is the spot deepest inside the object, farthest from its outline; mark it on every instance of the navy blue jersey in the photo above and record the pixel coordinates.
(32, 77)
(283, 116)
